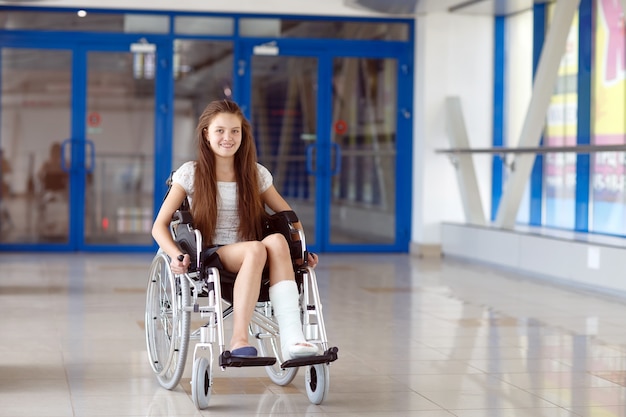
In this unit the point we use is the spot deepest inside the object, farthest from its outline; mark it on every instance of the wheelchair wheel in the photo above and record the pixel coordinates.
(270, 346)
(201, 383)
(317, 382)
(167, 324)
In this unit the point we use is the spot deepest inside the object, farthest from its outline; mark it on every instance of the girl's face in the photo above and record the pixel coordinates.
(224, 134)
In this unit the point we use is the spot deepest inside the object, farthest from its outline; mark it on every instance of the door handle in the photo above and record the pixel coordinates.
(92, 156)
(337, 168)
(64, 145)
(309, 158)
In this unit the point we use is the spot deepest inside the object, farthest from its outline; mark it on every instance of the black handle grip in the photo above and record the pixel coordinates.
(181, 257)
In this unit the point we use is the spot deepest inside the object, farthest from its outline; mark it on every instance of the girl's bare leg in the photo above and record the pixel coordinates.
(249, 259)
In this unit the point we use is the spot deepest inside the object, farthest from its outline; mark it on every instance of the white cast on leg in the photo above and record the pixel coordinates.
(284, 297)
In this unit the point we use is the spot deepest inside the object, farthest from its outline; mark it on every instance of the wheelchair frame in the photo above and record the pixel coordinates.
(171, 299)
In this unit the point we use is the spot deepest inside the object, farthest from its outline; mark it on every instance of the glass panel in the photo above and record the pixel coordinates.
(146, 23)
(35, 123)
(193, 25)
(561, 128)
(608, 193)
(329, 29)
(284, 103)
(86, 22)
(519, 80)
(364, 138)
(120, 150)
(203, 73)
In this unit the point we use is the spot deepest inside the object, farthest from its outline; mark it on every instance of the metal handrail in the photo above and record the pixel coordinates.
(537, 150)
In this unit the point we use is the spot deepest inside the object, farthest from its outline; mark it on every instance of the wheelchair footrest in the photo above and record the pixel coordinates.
(329, 356)
(227, 360)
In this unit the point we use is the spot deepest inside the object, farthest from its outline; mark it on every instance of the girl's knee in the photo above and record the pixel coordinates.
(257, 250)
(276, 243)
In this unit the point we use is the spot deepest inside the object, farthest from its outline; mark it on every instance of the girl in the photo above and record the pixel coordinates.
(228, 208)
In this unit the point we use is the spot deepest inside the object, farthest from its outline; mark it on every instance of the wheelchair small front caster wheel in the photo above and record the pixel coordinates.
(317, 382)
(201, 383)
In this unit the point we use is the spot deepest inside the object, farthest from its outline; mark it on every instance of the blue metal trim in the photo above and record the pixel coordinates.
(78, 132)
(242, 79)
(404, 152)
(163, 125)
(583, 135)
(322, 160)
(499, 112)
(536, 175)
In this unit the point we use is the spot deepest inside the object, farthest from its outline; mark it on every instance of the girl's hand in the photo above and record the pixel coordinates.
(180, 264)
(312, 260)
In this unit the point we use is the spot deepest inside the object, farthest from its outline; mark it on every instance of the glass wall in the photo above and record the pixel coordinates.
(561, 128)
(608, 196)
(519, 80)
(117, 102)
(604, 208)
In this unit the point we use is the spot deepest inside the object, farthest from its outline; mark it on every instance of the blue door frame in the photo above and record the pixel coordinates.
(353, 49)
(81, 149)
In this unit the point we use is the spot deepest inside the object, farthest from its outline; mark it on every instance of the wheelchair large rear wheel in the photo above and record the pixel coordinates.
(166, 321)
(270, 346)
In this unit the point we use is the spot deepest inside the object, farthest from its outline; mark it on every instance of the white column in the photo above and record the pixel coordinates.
(464, 164)
(534, 122)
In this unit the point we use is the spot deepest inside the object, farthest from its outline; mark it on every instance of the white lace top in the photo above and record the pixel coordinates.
(227, 226)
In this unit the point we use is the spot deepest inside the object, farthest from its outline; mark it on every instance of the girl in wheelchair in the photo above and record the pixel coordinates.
(228, 209)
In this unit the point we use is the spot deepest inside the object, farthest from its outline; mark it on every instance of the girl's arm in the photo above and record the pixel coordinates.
(161, 228)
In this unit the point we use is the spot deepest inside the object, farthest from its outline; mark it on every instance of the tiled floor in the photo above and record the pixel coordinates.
(425, 338)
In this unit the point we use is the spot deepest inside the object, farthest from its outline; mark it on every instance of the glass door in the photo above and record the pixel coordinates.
(119, 147)
(77, 145)
(363, 144)
(326, 127)
(283, 113)
(36, 161)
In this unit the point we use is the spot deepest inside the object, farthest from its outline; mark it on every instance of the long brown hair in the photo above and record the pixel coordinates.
(205, 199)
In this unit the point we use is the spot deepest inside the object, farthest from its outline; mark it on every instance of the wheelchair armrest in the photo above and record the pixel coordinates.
(183, 217)
(283, 223)
(187, 238)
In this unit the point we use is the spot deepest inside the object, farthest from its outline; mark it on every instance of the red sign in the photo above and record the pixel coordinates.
(93, 119)
(341, 127)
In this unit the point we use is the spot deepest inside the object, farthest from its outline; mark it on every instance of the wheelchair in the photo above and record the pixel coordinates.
(171, 299)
